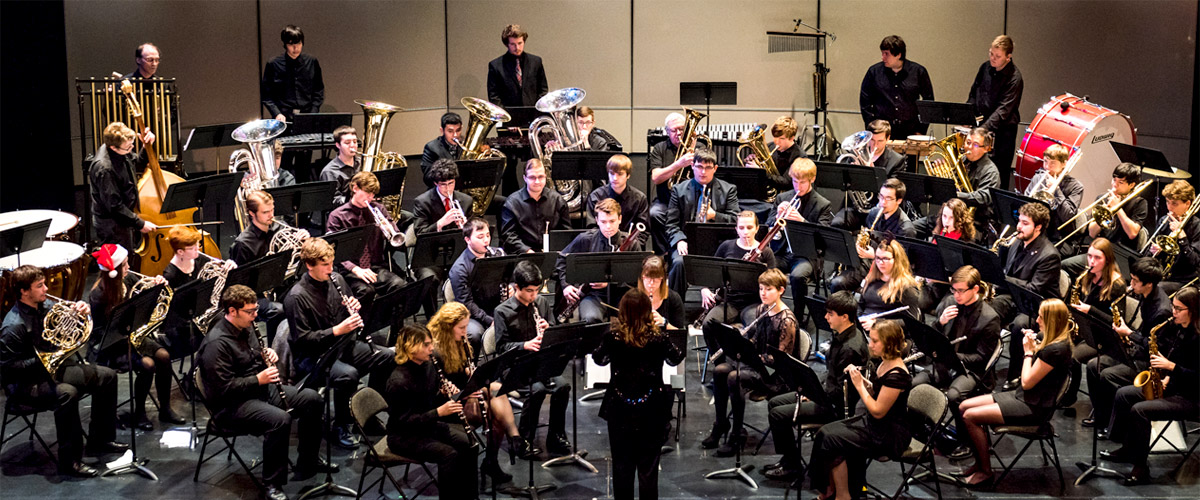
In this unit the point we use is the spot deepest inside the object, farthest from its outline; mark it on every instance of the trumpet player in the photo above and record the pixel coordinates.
(441, 207)
(685, 206)
(27, 383)
(530, 212)
(607, 237)
(443, 147)
(343, 166)
(1068, 191)
(635, 208)
(1127, 220)
(1180, 196)
(368, 276)
(662, 169)
(520, 322)
(813, 208)
(983, 177)
(1105, 374)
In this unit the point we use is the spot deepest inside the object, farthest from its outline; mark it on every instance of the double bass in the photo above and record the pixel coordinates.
(155, 250)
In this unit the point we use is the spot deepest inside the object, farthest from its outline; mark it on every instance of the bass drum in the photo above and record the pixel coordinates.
(63, 263)
(1083, 127)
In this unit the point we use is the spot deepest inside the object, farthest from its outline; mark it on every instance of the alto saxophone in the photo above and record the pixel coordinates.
(864, 234)
(1115, 308)
(1150, 380)
(1077, 288)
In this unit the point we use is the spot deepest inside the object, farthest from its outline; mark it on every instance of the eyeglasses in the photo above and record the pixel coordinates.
(151, 59)
(1178, 309)
(957, 291)
(973, 144)
(253, 311)
(883, 259)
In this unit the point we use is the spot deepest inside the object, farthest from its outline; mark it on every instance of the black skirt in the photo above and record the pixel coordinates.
(1018, 412)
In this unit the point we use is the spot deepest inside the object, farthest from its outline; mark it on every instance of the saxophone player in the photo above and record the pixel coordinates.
(1180, 196)
(368, 275)
(1179, 367)
(886, 217)
(685, 206)
(27, 383)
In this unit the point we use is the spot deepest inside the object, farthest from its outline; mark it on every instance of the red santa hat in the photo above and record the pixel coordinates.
(110, 256)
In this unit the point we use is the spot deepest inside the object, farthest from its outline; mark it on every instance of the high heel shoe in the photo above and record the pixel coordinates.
(714, 437)
(522, 448)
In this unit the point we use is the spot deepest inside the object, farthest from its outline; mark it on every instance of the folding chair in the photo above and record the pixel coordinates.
(365, 406)
(1186, 454)
(213, 432)
(1042, 433)
(28, 414)
(931, 403)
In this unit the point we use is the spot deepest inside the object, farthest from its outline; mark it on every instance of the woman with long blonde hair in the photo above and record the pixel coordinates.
(1100, 288)
(451, 349)
(890, 282)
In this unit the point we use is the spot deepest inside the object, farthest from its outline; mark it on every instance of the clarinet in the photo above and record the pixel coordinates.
(448, 389)
(262, 349)
(867, 382)
(483, 407)
(572, 305)
(352, 310)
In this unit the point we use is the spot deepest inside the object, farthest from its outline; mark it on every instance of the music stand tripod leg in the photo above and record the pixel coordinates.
(577, 456)
(136, 465)
(327, 487)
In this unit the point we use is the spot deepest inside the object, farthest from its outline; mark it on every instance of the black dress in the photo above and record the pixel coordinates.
(672, 310)
(863, 437)
(1034, 406)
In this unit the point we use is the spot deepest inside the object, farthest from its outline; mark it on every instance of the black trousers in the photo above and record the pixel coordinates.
(1132, 415)
(560, 395)
(1002, 152)
(1105, 375)
(782, 415)
(77, 380)
(268, 418)
(447, 446)
(636, 450)
(358, 361)
(658, 226)
(386, 281)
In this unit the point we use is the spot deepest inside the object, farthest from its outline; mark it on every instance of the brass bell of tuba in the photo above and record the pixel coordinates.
(259, 159)
(484, 116)
(856, 150)
(376, 116)
(560, 122)
(687, 142)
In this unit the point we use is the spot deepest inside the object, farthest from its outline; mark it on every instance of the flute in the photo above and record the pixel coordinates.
(720, 351)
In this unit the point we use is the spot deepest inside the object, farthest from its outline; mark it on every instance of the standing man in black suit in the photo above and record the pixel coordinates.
(516, 78)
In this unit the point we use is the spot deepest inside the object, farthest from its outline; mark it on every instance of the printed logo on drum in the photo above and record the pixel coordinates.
(1102, 138)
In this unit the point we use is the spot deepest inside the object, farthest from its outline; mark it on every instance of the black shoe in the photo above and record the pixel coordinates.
(558, 444)
(275, 493)
(1069, 411)
(142, 422)
(1011, 385)
(731, 446)
(782, 474)
(960, 453)
(522, 448)
(78, 469)
(1102, 434)
(169, 417)
(1118, 455)
(491, 467)
(771, 467)
(344, 438)
(308, 468)
(1139, 475)
(111, 447)
(714, 437)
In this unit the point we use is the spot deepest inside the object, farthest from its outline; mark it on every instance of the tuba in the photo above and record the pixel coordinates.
(560, 122)
(856, 149)
(687, 142)
(65, 328)
(259, 160)
(376, 116)
(756, 143)
(484, 116)
(945, 160)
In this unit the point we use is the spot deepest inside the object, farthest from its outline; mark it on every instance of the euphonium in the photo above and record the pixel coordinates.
(1169, 244)
(687, 142)
(484, 116)
(856, 150)
(560, 122)
(1149, 380)
(259, 159)
(67, 329)
(945, 160)
(288, 239)
(756, 143)
(139, 336)
(376, 116)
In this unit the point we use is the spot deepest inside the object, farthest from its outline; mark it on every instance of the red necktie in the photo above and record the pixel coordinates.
(518, 71)
(447, 202)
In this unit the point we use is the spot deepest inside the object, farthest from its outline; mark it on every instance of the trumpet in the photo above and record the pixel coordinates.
(394, 236)
(462, 215)
(1102, 214)
(67, 329)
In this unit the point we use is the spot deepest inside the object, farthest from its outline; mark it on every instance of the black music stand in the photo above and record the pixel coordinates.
(751, 182)
(396, 305)
(437, 249)
(1026, 301)
(560, 238)
(816, 311)
(324, 371)
(1006, 206)
(500, 269)
(348, 244)
(126, 317)
(478, 173)
(704, 237)
(948, 113)
(743, 350)
(936, 347)
(524, 370)
(316, 196)
(212, 136)
(261, 274)
(715, 272)
(391, 181)
(956, 254)
(848, 177)
(830, 243)
(21, 239)
(580, 166)
(707, 93)
(604, 267)
(926, 259)
(213, 195)
(585, 338)
(1141, 156)
(1100, 336)
(927, 188)
(799, 377)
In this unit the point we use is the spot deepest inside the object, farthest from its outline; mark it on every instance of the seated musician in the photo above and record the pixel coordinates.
(438, 209)
(1106, 374)
(113, 188)
(242, 388)
(1043, 371)
(662, 164)
(1031, 263)
(1180, 196)
(320, 310)
(955, 222)
(368, 275)
(27, 383)
(787, 150)
(1127, 221)
(1064, 201)
(966, 318)
(343, 166)
(284, 177)
(890, 283)
(847, 347)
(422, 422)
(720, 204)
(840, 449)
(814, 208)
(608, 237)
(636, 406)
(1177, 365)
(255, 241)
(1099, 290)
(181, 339)
(668, 305)
(634, 207)
(153, 365)
(479, 298)
(452, 351)
(881, 155)
(776, 327)
(595, 139)
(983, 176)
(737, 305)
(886, 217)
(520, 321)
(532, 212)
(443, 147)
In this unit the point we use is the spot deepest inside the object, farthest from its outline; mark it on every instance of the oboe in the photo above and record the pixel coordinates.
(262, 349)
(448, 389)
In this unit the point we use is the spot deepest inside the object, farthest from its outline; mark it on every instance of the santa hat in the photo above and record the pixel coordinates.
(109, 257)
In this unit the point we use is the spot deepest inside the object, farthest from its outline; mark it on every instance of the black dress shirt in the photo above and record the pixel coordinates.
(338, 171)
(1185, 353)
(523, 219)
(980, 325)
(176, 277)
(635, 208)
(846, 348)
(1153, 310)
(292, 84)
(685, 197)
(589, 241)
(413, 397)
(253, 243)
(892, 96)
(1034, 266)
(480, 299)
(659, 156)
(20, 340)
(1187, 263)
(515, 324)
(429, 208)
(348, 216)
(997, 95)
(502, 85)
(313, 308)
(437, 149)
(229, 365)
(114, 189)
(813, 207)
(872, 302)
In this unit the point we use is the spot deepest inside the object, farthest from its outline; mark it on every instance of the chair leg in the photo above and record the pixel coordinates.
(1014, 461)
(362, 477)
(762, 439)
(248, 469)
(1062, 485)
(1185, 457)
(4, 429)
(200, 460)
(33, 433)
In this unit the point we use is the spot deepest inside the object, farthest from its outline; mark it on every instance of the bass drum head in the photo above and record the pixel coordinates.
(1094, 169)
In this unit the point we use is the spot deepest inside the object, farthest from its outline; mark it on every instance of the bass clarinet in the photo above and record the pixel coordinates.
(572, 305)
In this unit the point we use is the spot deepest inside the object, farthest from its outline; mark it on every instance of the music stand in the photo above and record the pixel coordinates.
(927, 188)
(936, 347)
(126, 317)
(437, 249)
(956, 254)
(524, 370)
(751, 182)
(212, 136)
(580, 166)
(560, 238)
(500, 269)
(846, 177)
(261, 274)
(926, 259)
(1006, 206)
(948, 113)
(395, 306)
(478, 173)
(1141, 156)
(831, 243)
(316, 196)
(816, 311)
(324, 370)
(586, 338)
(1100, 336)
(21, 239)
(213, 194)
(348, 244)
(743, 350)
(708, 93)
(604, 267)
(391, 181)
(704, 237)
(715, 272)
(187, 302)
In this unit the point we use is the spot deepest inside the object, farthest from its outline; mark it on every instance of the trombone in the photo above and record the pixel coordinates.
(1102, 214)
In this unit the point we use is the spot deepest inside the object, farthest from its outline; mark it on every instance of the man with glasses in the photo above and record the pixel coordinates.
(532, 212)
(719, 196)
(113, 186)
(983, 176)
(147, 59)
(662, 165)
(441, 208)
(886, 217)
